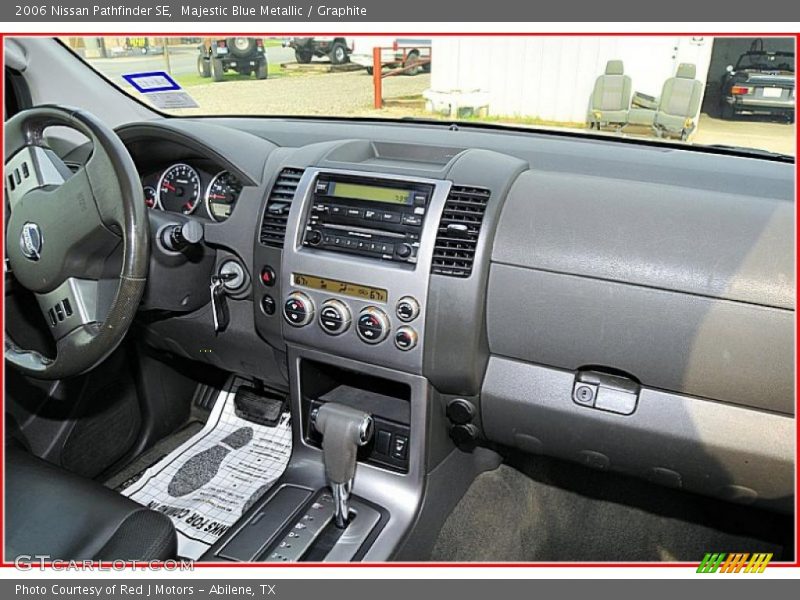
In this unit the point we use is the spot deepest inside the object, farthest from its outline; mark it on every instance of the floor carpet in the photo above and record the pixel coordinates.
(539, 509)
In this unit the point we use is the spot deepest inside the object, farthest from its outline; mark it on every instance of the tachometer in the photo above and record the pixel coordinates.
(179, 189)
(221, 195)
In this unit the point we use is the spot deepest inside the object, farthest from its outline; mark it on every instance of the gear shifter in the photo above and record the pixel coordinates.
(344, 430)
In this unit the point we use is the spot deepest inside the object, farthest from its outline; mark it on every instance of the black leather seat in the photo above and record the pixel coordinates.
(52, 512)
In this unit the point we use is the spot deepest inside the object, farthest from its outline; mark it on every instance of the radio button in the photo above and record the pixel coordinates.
(314, 237)
(298, 310)
(337, 209)
(355, 213)
(373, 215)
(405, 338)
(403, 250)
(334, 317)
(407, 309)
(390, 217)
(414, 220)
(373, 325)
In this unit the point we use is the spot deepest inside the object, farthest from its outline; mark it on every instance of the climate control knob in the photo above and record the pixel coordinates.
(373, 325)
(298, 310)
(407, 309)
(334, 317)
(405, 338)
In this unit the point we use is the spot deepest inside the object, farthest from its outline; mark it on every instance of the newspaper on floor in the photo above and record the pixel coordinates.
(207, 483)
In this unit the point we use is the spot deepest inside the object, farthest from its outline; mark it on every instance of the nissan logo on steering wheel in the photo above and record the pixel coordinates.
(30, 241)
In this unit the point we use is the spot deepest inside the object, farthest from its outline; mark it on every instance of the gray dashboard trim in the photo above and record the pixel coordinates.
(456, 331)
(731, 452)
(729, 351)
(712, 244)
(227, 148)
(575, 154)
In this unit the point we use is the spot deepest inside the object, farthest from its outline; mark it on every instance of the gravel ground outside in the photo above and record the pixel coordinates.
(752, 132)
(330, 94)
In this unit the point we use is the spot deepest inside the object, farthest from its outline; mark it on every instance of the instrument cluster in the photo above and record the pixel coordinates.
(191, 190)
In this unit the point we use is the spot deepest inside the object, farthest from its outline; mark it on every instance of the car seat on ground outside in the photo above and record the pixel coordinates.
(611, 97)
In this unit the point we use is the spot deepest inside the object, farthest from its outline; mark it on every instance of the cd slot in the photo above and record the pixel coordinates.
(353, 228)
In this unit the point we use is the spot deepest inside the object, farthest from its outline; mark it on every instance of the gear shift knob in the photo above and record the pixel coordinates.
(344, 430)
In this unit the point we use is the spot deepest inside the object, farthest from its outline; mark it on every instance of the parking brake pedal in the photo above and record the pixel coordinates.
(262, 407)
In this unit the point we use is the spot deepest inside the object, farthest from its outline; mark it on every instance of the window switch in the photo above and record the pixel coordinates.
(400, 447)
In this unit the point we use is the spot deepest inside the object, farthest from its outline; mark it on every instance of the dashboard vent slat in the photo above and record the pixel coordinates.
(459, 228)
(276, 213)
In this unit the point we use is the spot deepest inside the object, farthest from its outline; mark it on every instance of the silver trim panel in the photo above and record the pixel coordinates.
(76, 302)
(40, 170)
(399, 279)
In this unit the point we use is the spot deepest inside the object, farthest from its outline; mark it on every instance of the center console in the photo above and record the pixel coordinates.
(362, 248)
(350, 295)
(356, 264)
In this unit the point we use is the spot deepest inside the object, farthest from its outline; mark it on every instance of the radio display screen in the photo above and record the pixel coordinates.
(364, 292)
(370, 193)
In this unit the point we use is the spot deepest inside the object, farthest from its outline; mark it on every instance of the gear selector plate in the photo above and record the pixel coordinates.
(299, 538)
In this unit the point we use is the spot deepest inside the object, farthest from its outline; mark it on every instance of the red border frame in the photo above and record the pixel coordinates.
(795, 564)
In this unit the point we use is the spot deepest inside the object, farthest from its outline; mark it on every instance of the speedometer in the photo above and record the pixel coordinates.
(221, 195)
(179, 189)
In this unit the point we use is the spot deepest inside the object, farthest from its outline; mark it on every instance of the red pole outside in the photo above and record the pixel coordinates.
(377, 82)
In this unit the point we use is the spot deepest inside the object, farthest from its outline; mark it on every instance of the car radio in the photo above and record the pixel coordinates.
(379, 218)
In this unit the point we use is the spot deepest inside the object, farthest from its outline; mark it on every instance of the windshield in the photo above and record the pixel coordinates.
(645, 87)
(763, 61)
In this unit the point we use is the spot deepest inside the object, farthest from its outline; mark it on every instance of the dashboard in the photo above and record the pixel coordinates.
(543, 284)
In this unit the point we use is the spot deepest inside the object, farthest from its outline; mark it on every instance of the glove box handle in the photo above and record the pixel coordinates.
(604, 391)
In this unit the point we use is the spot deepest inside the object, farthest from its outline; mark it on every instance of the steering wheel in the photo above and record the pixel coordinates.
(63, 236)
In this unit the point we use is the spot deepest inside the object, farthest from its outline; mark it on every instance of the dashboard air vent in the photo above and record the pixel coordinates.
(273, 225)
(459, 228)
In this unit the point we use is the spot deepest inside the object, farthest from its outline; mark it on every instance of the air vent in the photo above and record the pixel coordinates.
(273, 225)
(459, 228)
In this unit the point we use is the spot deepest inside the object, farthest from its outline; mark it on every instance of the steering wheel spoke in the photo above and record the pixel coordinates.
(76, 303)
(31, 168)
